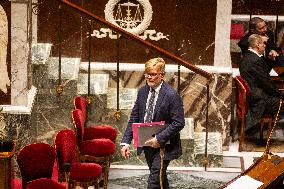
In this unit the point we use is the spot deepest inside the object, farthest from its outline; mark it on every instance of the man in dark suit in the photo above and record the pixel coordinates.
(168, 107)
(258, 26)
(265, 95)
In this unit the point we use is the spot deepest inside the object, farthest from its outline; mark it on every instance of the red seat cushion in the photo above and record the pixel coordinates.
(79, 121)
(81, 104)
(44, 183)
(79, 117)
(97, 147)
(36, 161)
(66, 148)
(237, 31)
(100, 131)
(85, 171)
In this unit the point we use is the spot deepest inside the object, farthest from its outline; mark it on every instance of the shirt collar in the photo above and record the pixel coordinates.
(260, 55)
(157, 89)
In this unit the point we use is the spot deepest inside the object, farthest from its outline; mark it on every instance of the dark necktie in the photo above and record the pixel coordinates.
(149, 114)
(150, 108)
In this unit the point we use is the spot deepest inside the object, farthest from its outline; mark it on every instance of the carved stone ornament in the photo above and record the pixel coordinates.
(131, 24)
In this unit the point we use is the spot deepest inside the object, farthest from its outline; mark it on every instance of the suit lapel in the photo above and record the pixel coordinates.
(144, 101)
(161, 96)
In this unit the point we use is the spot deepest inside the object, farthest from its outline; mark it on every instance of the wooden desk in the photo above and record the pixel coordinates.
(279, 80)
(279, 70)
(270, 172)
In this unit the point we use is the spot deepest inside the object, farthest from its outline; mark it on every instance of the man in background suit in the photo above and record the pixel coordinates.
(258, 26)
(168, 107)
(265, 95)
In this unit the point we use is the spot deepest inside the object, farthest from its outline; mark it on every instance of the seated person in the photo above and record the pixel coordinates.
(258, 26)
(254, 69)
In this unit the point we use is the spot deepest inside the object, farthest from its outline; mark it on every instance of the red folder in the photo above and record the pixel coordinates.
(138, 139)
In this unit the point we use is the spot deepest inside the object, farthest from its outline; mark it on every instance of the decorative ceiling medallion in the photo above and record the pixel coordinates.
(128, 15)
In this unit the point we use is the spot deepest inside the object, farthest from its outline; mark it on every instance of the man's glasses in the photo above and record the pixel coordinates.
(151, 74)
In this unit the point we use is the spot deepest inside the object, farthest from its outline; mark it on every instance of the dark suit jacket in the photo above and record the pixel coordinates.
(264, 93)
(169, 108)
(279, 61)
(243, 43)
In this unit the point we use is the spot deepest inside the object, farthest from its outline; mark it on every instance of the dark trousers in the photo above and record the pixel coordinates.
(152, 156)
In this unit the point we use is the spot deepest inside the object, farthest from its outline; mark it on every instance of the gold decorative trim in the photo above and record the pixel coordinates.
(205, 161)
(117, 115)
(90, 99)
(59, 89)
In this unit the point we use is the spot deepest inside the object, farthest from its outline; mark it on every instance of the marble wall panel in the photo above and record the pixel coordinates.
(188, 131)
(69, 68)
(98, 84)
(40, 52)
(214, 143)
(127, 98)
(18, 127)
(193, 91)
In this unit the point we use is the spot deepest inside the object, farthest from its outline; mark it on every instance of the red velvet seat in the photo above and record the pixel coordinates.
(94, 150)
(36, 164)
(44, 183)
(81, 174)
(93, 131)
(242, 101)
(237, 31)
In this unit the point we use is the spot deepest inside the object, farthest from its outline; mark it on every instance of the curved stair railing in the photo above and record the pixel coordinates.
(168, 54)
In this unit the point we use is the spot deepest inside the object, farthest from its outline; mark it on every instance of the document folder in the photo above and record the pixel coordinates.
(144, 131)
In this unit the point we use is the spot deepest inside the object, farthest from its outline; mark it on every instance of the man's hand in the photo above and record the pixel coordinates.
(273, 54)
(125, 151)
(153, 142)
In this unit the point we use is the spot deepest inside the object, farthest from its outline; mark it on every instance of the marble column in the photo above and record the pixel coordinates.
(19, 51)
(222, 56)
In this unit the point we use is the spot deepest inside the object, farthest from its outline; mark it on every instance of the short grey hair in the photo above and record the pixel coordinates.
(254, 39)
